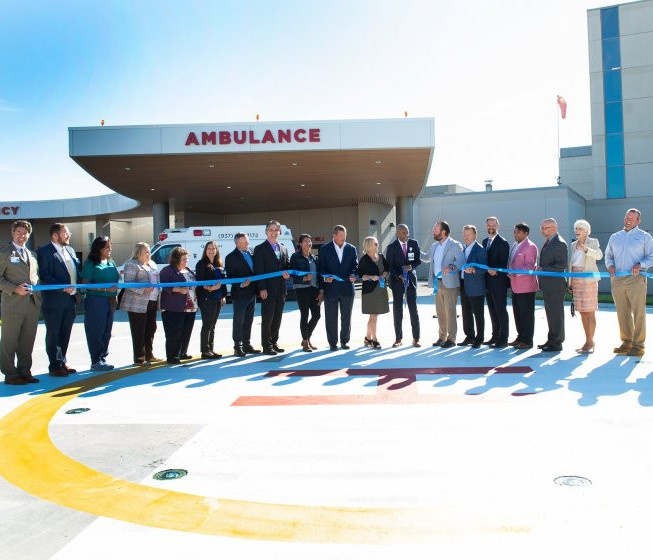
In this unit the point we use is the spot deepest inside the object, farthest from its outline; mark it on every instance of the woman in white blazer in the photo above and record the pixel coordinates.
(584, 253)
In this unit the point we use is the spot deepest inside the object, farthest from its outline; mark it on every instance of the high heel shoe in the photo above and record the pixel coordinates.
(306, 346)
(368, 342)
(376, 344)
(586, 349)
(310, 344)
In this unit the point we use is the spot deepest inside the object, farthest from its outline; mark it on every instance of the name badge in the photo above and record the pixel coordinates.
(14, 260)
(411, 256)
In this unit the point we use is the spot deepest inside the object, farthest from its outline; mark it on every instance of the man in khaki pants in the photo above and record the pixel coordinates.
(630, 250)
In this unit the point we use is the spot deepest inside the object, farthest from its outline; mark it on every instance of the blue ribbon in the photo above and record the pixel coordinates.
(620, 273)
(120, 285)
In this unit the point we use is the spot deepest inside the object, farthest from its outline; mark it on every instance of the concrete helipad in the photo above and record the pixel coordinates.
(407, 452)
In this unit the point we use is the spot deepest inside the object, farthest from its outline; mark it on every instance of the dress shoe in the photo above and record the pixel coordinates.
(397, 344)
(239, 351)
(466, 342)
(540, 346)
(61, 372)
(499, 345)
(333, 348)
(438, 343)
(416, 343)
(140, 362)
(347, 347)
(276, 348)
(476, 345)
(514, 342)
(16, 381)
(32, 379)
(209, 356)
(69, 369)
(97, 366)
(635, 352)
(491, 341)
(306, 347)
(448, 344)
(551, 348)
(185, 357)
(522, 346)
(625, 347)
(173, 361)
(269, 351)
(249, 349)
(154, 359)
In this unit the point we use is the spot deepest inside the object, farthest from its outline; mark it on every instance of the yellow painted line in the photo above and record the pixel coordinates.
(30, 460)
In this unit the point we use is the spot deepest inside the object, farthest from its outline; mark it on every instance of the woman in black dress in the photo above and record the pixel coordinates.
(373, 270)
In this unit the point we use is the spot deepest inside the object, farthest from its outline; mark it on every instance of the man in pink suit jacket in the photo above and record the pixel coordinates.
(523, 256)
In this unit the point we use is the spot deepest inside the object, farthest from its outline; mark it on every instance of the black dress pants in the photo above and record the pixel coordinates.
(143, 327)
(58, 326)
(178, 326)
(308, 304)
(473, 313)
(497, 305)
(398, 309)
(331, 306)
(523, 309)
(271, 314)
(242, 320)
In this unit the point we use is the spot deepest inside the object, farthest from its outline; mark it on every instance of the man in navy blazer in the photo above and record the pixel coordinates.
(58, 264)
(340, 259)
(271, 256)
(497, 283)
(472, 289)
(403, 256)
(240, 264)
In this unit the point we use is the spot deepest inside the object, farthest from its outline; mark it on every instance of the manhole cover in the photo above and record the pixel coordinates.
(170, 474)
(77, 410)
(573, 481)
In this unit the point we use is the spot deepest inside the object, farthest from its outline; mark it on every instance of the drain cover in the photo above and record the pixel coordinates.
(77, 410)
(572, 481)
(170, 474)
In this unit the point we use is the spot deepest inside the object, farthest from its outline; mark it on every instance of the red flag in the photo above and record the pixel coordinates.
(563, 106)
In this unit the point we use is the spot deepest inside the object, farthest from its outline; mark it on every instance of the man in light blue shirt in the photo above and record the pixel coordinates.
(630, 251)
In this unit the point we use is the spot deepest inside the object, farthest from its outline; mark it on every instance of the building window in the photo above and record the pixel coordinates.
(613, 109)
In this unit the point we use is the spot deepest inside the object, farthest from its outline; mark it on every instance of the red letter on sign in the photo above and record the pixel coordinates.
(267, 137)
(299, 138)
(192, 139)
(225, 137)
(284, 136)
(313, 134)
(15, 209)
(253, 140)
(208, 137)
(240, 140)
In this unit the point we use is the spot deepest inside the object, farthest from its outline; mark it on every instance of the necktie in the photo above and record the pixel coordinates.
(489, 243)
(546, 243)
(23, 255)
(69, 265)
(403, 248)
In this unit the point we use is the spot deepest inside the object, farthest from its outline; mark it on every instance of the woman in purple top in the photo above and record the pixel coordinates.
(178, 306)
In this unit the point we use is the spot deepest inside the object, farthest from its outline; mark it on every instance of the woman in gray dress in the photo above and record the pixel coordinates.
(373, 270)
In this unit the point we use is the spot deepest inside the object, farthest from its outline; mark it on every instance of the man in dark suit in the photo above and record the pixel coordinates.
(19, 270)
(553, 258)
(271, 256)
(497, 283)
(403, 256)
(58, 264)
(338, 258)
(240, 264)
(472, 289)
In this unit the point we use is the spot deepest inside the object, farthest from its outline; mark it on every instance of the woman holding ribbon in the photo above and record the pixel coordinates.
(210, 298)
(373, 270)
(178, 306)
(584, 253)
(141, 304)
(100, 303)
(309, 289)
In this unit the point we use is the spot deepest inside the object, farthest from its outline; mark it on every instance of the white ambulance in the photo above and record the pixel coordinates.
(195, 238)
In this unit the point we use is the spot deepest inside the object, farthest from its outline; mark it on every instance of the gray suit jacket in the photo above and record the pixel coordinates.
(554, 257)
(13, 274)
(453, 256)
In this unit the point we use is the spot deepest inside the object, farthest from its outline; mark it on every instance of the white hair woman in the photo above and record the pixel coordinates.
(585, 251)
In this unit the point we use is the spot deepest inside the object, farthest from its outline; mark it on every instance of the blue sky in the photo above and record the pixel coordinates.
(488, 72)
